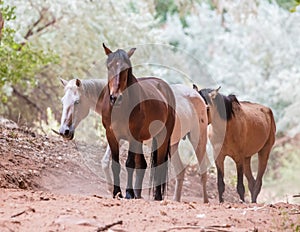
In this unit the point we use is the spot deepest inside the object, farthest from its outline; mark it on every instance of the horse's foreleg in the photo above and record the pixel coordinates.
(115, 165)
(116, 168)
(141, 166)
(263, 157)
(248, 174)
(105, 167)
(179, 171)
(220, 180)
(240, 184)
(130, 165)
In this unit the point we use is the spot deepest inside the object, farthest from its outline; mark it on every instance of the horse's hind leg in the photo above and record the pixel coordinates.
(130, 165)
(161, 166)
(198, 139)
(240, 180)
(248, 174)
(135, 160)
(140, 168)
(179, 171)
(220, 181)
(263, 156)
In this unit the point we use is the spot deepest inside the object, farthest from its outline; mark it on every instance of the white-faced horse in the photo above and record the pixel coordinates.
(191, 121)
(239, 129)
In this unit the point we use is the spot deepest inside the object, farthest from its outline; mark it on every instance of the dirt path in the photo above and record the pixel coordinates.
(48, 184)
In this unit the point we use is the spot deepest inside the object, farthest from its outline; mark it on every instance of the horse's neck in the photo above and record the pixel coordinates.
(218, 124)
(131, 78)
(92, 91)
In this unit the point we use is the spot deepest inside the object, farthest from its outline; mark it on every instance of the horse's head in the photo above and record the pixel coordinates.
(75, 107)
(218, 102)
(119, 70)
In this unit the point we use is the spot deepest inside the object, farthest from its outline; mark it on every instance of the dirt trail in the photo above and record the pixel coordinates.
(48, 184)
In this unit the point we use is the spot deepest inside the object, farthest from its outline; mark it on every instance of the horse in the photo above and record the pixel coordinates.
(85, 95)
(239, 129)
(136, 110)
(79, 97)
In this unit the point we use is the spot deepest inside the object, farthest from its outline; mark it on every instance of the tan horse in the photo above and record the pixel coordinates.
(239, 130)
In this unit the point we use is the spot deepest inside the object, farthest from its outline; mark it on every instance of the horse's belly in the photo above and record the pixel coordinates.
(183, 125)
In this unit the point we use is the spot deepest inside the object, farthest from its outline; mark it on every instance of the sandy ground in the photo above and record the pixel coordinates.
(48, 184)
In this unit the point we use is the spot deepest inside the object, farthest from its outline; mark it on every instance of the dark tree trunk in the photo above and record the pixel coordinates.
(1, 24)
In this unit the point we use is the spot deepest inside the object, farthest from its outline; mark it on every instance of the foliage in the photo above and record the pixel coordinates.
(163, 8)
(220, 42)
(243, 53)
(77, 36)
(19, 61)
(250, 48)
(288, 4)
(284, 168)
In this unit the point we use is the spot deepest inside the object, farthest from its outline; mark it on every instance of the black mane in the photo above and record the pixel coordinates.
(223, 103)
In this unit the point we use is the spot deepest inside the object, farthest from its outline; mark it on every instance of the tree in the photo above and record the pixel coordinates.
(79, 30)
(253, 53)
(19, 62)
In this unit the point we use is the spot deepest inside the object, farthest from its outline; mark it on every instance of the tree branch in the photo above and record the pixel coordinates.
(36, 27)
(29, 102)
(30, 30)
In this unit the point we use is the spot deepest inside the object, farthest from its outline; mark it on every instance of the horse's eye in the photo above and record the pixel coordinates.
(76, 102)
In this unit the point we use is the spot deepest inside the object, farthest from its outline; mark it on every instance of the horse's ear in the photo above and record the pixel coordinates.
(78, 82)
(106, 49)
(195, 87)
(213, 94)
(64, 82)
(131, 51)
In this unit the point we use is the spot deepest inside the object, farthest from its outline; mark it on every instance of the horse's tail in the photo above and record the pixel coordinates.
(165, 169)
(273, 126)
(153, 164)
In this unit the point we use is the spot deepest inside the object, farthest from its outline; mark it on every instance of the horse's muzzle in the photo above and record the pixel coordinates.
(67, 133)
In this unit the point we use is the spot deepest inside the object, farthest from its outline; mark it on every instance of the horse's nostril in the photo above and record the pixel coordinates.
(67, 132)
(112, 99)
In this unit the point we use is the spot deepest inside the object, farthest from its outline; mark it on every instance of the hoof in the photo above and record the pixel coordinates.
(129, 194)
(137, 193)
(158, 197)
(117, 192)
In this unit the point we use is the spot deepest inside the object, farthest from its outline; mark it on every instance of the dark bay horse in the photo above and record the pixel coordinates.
(137, 110)
(81, 96)
(239, 129)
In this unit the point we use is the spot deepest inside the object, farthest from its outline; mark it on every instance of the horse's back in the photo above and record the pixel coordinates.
(189, 107)
(158, 106)
(255, 126)
(260, 116)
(158, 89)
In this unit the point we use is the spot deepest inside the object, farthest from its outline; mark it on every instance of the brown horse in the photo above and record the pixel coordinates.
(239, 130)
(81, 96)
(137, 110)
